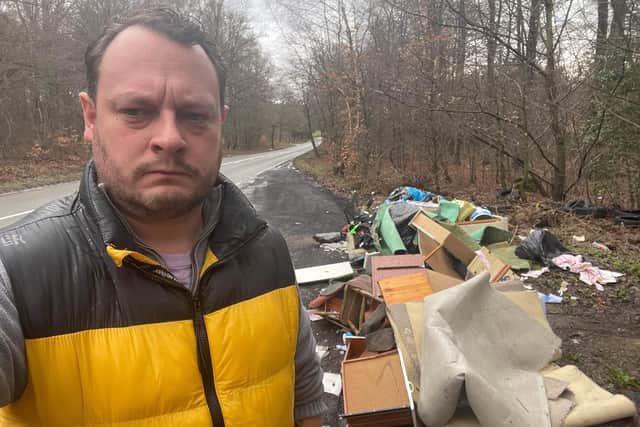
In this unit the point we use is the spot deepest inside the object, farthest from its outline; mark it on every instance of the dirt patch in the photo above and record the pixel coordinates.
(600, 331)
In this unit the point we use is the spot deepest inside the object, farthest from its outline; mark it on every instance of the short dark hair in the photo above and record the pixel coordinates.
(178, 27)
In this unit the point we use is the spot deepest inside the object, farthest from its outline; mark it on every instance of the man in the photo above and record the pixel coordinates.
(155, 295)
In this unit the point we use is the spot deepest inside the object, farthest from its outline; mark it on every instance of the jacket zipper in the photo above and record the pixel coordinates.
(206, 364)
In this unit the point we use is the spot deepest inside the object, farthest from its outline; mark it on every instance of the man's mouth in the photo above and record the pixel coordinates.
(168, 172)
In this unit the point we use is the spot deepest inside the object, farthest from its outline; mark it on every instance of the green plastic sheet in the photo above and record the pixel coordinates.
(385, 234)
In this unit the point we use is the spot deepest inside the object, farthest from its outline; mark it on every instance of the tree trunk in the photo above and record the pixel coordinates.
(560, 170)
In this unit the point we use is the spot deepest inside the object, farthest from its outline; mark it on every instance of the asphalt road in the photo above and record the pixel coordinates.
(240, 169)
(300, 208)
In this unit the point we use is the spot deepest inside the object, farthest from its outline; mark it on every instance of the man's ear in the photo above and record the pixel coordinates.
(225, 112)
(88, 114)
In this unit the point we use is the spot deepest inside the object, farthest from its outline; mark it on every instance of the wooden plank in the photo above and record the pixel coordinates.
(322, 273)
(384, 267)
(373, 384)
(405, 288)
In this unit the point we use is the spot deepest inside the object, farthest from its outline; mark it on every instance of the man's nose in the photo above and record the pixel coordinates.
(167, 135)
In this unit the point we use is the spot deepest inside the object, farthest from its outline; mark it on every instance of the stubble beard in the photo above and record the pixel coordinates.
(156, 206)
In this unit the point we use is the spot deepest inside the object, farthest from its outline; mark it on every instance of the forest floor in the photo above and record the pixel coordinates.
(600, 331)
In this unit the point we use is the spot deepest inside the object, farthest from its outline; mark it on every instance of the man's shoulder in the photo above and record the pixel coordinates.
(53, 217)
(57, 208)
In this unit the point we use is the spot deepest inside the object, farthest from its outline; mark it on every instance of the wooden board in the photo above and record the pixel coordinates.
(373, 384)
(322, 273)
(436, 256)
(405, 288)
(384, 267)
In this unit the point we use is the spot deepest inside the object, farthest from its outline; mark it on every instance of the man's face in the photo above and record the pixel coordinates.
(155, 125)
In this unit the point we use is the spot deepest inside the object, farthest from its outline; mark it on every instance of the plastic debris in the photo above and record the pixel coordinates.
(332, 383)
(534, 274)
(579, 239)
(328, 237)
(408, 193)
(564, 286)
(335, 247)
(541, 246)
(313, 315)
(601, 247)
(550, 298)
(322, 351)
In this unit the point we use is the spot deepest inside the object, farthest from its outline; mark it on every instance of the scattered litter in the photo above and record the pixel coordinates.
(328, 237)
(528, 287)
(563, 288)
(313, 315)
(335, 247)
(588, 273)
(332, 383)
(550, 298)
(534, 274)
(322, 351)
(541, 246)
(579, 239)
(341, 347)
(408, 193)
(601, 247)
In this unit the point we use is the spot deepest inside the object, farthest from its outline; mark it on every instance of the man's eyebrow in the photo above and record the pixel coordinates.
(198, 102)
(130, 98)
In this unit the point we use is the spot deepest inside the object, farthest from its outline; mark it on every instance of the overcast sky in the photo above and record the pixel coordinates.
(265, 26)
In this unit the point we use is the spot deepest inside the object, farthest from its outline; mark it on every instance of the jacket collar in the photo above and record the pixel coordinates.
(229, 218)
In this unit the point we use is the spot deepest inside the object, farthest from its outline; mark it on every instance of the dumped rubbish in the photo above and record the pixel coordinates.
(499, 360)
(332, 383)
(409, 193)
(534, 274)
(322, 351)
(627, 218)
(385, 235)
(443, 303)
(550, 298)
(323, 273)
(335, 247)
(588, 273)
(374, 387)
(328, 237)
(384, 267)
(405, 288)
(541, 246)
(601, 247)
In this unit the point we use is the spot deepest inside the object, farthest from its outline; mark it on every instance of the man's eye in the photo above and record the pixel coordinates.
(134, 113)
(195, 117)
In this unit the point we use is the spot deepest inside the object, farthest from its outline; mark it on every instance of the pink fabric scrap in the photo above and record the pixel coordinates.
(588, 273)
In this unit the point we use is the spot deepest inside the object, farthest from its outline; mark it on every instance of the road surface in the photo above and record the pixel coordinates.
(242, 170)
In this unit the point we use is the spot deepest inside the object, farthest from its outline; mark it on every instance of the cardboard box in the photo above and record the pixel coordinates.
(471, 226)
(445, 236)
(486, 261)
(374, 388)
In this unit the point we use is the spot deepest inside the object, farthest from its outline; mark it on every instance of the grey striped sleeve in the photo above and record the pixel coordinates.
(309, 389)
(13, 368)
